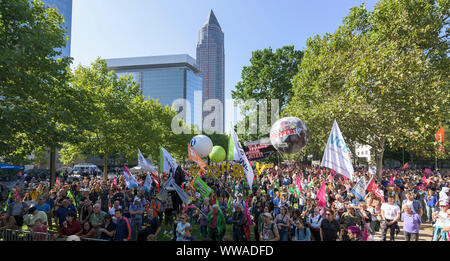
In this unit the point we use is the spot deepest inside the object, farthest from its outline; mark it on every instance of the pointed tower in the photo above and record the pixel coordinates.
(211, 62)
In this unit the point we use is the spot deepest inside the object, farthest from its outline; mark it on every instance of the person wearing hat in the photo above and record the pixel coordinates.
(136, 213)
(238, 220)
(33, 215)
(269, 230)
(349, 218)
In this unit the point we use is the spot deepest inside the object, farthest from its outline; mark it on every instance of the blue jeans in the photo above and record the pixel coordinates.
(430, 211)
(283, 235)
(135, 228)
(204, 231)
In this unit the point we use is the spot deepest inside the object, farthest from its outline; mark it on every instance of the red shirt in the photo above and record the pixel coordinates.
(72, 228)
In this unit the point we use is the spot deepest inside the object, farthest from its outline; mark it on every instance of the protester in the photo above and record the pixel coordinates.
(329, 227)
(238, 220)
(302, 233)
(107, 228)
(181, 227)
(216, 224)
(391, 214)
(70, 225)
(282, 221)
(123, 229)
(269, 230)
(411, 223)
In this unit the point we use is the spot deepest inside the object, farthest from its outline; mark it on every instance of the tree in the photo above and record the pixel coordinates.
(118, 120)
(268, 77)
(383, 75)
(32, 81)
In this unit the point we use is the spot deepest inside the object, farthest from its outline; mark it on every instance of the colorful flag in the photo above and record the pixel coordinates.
(145, 164)
(440, 135)
(391, 181)
(321, 195)
(166, 161)
(372, 187)
(193, 156)
(6, 204)
(57, 184)
(147, 184)
(130, 180)
(428, 172)
(406, 166)
(115, 183)
(201, 187)
(337, 155)
(243, 161)
(69, 193)
(426, 181)
(359, 190)
(298, 183)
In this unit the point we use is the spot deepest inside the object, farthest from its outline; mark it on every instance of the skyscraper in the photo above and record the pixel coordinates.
(166, 78)
(64, 8)
(211, 62)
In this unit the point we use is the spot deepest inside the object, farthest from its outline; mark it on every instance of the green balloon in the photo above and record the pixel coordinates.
(217, 154)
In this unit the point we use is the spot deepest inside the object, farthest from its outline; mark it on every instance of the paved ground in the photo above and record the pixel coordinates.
(425, 233)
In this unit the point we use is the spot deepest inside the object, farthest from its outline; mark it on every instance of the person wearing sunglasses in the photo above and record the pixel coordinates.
(329, 227)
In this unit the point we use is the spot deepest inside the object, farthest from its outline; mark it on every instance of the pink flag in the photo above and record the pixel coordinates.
(321, 195)
(428, 171)
(426, 181)
(391, 181)
(298, 182)
(395, 172)
(115, 183)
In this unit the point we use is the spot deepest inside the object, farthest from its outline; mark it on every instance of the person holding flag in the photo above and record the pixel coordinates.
(216, 223)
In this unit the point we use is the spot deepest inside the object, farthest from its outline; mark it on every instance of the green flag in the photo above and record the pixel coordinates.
(69, 193)
(6, 205)
(201, 187)
(231, 147)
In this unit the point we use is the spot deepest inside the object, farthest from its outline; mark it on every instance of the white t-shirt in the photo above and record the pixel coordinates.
(390, 211)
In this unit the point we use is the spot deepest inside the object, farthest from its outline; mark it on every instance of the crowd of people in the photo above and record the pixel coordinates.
(281, 205)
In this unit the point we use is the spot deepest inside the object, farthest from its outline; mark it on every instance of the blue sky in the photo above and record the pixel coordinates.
(130, 28)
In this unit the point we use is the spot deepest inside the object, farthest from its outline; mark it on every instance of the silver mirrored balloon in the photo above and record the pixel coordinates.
(289, 135)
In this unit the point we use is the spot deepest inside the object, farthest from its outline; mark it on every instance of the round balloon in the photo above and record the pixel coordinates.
(289, 135)
(202, 145)
(217, 154)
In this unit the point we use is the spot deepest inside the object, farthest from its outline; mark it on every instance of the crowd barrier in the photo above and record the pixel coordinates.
(18, 235)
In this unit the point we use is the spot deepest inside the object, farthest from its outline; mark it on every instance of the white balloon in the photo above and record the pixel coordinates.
(202, 145)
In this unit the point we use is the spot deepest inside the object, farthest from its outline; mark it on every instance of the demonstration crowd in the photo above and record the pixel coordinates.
(285, 203)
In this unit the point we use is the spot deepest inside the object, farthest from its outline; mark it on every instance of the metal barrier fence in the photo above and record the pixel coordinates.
(18, 235)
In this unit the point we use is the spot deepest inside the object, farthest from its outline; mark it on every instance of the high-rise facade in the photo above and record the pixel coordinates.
(211, 62)
(166, 78)
(64, 8)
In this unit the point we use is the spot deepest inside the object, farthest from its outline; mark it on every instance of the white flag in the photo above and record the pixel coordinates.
(240, 156)
(337, 155)
(172, 186)
(143, 163)
(359, 190)
(167, 162)
(148, 183)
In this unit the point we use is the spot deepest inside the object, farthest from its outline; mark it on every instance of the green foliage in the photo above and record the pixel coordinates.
(116, 119)
(32, 80)
(383, 75)
(268, 77)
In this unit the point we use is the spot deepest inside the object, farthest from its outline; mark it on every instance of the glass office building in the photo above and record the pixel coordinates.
(166, 78)
(64, 8)
(211, 62)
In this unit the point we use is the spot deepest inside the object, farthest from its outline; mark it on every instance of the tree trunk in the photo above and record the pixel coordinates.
(52, 166)
(105, 167)
(379, 158)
